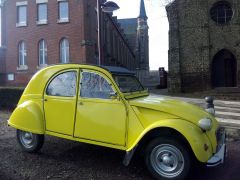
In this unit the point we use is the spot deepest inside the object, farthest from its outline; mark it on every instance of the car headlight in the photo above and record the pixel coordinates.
(205, 124)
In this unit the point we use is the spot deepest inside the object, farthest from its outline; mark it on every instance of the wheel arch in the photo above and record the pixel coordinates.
(28, 116)
(163, 132)
(187, 132)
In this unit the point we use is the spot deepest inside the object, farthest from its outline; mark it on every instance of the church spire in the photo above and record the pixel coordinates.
(142, 13)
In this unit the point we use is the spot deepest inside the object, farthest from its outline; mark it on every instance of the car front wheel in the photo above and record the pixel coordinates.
(30, 142)
(166, 158)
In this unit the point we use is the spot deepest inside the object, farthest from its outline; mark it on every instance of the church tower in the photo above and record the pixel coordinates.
(142, 43)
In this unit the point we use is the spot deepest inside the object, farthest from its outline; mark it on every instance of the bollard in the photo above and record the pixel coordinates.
(209, 100)
(210, 105)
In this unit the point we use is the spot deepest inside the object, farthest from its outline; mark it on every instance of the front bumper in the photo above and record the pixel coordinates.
(219, 156)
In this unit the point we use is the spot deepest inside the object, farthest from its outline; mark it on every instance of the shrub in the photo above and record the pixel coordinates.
(9, 97)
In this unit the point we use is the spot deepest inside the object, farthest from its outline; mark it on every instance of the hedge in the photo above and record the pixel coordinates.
(9, 97)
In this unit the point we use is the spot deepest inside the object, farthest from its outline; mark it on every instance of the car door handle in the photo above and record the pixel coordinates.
(80, 103)
(45, 100)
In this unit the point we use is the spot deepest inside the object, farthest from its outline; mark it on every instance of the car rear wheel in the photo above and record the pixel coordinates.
(30, 142)
(167, 158)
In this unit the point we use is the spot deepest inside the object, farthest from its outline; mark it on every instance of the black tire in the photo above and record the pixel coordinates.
(168, 158)
(30, 142)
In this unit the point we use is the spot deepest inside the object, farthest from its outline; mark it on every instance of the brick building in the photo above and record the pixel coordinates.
(204, 45)
(37, 33)
(2, 64)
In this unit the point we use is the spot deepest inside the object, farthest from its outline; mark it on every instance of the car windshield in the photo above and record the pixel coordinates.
(128, 83)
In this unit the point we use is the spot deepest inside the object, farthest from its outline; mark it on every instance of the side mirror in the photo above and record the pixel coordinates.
(113, 95)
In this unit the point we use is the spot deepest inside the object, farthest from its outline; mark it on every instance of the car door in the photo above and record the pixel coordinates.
(60, 102)
(99, 117)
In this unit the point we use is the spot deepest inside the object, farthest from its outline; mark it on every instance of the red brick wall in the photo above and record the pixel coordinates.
(2, 66)
(81, 31)
(52, 33)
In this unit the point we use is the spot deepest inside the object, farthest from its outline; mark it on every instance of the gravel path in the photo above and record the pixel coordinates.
(63, 159)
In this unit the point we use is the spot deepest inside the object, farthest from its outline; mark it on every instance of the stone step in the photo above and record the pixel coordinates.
(235, 104)
(227, 109)
(228, 117)
(227, 90)
(231, 123)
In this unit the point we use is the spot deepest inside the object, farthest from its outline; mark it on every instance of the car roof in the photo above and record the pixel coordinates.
(111, 69)
(118, 70)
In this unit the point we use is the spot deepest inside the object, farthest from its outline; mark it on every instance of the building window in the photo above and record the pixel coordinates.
(42, 53)
(21, 15)
(63, 13)
(22, 56)
(64, 51)
(10, 77)
(221, 12)
(42, 13)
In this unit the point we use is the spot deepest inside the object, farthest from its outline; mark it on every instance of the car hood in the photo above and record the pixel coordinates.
(174, 107)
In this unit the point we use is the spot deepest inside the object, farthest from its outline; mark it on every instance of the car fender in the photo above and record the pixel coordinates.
(196, 138)
(28, 116)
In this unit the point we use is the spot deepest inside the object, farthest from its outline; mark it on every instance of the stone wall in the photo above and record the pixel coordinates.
(194, 40)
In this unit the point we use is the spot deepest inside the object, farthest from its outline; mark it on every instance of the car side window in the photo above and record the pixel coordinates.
(93, 85)
(63, 84)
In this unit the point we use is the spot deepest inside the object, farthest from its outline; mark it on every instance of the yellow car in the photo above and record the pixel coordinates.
(108, 106)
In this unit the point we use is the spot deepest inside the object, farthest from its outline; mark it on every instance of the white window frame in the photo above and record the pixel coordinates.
(42, 49)
(10, 77)
(62, 20)
(64, 50)
(18, 6)
(22, 56)
(43, 21)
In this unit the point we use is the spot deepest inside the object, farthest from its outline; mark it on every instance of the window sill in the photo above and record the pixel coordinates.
(41, 1)
(42, 22)
(21, 24)
(60, 21)
(42, 66)
(22, 68)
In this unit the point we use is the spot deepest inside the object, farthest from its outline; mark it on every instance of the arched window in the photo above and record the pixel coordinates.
(64, 51)
(42, 52)
(22, 54)
(221, 12)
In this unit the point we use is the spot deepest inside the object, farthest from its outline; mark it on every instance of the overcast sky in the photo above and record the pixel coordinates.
(158, 28)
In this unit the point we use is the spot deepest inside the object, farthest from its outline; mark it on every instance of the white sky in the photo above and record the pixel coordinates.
(158, 28)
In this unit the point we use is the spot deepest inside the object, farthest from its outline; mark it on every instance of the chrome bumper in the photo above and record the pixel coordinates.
(219, 156)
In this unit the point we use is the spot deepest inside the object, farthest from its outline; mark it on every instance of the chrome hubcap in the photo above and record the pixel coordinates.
(167, 160)
(26, 139)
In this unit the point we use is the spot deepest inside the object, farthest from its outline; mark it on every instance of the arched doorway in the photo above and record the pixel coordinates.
(224, 68)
